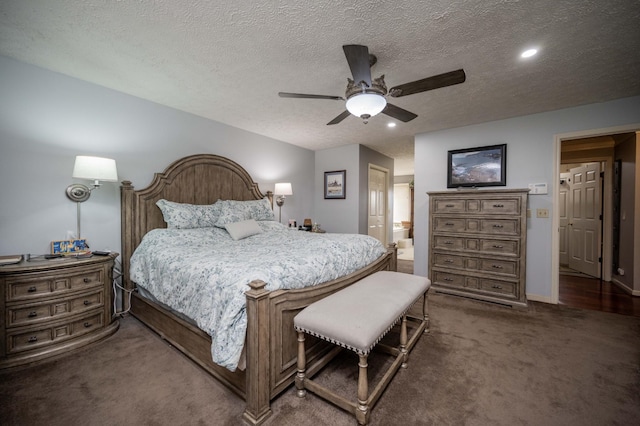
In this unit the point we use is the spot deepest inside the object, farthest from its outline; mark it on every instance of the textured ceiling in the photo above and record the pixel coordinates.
(227, 60)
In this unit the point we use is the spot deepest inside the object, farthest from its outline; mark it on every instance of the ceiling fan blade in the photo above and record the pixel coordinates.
(339, 118)
(358, 59)
(303, 96)
(398, 113)
(429, 83)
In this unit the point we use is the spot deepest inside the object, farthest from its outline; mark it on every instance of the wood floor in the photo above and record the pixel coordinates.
(583, 293)
(588, 293)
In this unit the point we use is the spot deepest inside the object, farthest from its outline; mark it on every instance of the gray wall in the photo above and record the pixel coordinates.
(46, 119)
(530, 159)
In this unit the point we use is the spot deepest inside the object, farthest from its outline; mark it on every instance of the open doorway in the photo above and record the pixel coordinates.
(403, 219)
(587, 214)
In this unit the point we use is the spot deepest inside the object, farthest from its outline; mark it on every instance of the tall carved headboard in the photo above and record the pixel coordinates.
(196, 179)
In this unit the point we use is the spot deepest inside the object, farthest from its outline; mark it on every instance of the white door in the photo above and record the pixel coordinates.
(584, 225)
(564, 211)
(377, 218)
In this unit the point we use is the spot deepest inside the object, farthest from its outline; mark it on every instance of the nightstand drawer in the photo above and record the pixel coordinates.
(37, 287)
(20, 341)
(26, 314)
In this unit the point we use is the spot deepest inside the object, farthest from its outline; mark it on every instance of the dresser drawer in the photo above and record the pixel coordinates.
(476, 284)
(477, 245)
(20, 341)
(504, 247)
(38, 287)
(506, 267)
(33, 313)
(509, 206)
(455, 205)
(477, 226)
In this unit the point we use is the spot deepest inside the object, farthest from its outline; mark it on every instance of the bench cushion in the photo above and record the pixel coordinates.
(358, 316)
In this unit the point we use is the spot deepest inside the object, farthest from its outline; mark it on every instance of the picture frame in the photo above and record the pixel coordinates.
(335, 184)
(477, 167)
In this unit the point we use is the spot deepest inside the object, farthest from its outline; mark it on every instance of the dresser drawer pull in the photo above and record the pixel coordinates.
(87, 303)
(448, 279)
(449, 205)
(498, 226)
(32, 290)
(449, 224)
(33, 314)
(497, 246)
(496, 266)
(33, 339)
(448, 242)
(497, 287)
(87, 280)
(498, 206)
(87, 324)
(448, 261)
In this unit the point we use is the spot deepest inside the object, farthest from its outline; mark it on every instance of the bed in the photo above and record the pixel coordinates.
(270, 343)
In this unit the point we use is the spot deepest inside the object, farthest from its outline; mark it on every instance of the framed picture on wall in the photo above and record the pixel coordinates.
(335, 184)
(476, 167)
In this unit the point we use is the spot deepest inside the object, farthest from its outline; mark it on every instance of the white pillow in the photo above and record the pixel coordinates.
(243, 229)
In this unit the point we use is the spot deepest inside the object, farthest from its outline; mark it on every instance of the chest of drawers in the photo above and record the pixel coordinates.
(51, 307)
(477, 244)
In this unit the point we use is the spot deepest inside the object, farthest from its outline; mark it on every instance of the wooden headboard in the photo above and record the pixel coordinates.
(197, 179)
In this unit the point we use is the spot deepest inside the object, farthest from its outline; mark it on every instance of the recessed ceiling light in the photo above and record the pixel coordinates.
(529, 53)
(391, 124)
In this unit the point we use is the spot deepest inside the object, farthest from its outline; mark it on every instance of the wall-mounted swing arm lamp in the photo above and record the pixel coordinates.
(92, 168)
(281, 191)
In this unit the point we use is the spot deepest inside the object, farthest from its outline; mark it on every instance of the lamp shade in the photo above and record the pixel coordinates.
(283, 189)
(95, 168)
(366, 104)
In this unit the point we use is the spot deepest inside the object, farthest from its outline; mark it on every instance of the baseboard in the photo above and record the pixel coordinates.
(625, 287)
(538, 298)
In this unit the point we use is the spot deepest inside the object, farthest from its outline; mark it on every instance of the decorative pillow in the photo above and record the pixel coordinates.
(235, 211)
(184, 216)
(243, 229)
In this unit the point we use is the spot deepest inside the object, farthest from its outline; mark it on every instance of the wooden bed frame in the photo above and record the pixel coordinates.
(271, 341)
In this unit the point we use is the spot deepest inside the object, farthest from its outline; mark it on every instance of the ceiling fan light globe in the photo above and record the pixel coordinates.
(366, 104)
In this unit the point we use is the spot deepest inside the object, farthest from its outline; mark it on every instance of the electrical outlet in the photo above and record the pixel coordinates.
(543, 213)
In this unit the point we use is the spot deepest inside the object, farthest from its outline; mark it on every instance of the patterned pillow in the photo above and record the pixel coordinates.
(236, 211)
(185, 216)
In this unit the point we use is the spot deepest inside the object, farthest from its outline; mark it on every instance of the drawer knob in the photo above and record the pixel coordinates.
(496, 266)
(498, 226)
(32, 289)
(449, 224)
(449, 205)
(448, 279)
(87, 280)
(33, 339)
(498, 246)
(448, 242)
(498, 287)
(33, 314)
(87, 303)
(498, 206)
(448, 261)
(87, 324)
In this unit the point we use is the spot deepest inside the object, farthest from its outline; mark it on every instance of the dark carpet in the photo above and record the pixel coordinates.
(480, 365)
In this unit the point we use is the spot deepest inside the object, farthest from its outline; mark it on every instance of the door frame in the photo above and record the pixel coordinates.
(388, 208)
(608, 207)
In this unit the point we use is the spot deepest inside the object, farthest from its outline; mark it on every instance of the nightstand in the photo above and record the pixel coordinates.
(50, 307)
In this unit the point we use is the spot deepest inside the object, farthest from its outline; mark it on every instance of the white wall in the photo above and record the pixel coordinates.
(530, 159)
(46, 119)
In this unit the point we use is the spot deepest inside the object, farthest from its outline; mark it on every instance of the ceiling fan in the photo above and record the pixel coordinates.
(365, 97)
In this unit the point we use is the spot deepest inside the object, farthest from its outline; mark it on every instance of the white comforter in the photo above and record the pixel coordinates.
(203, 273)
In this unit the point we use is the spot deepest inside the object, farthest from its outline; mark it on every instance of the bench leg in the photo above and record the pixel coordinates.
(425, 311)
(362, 412)
(403, 342)
(302, 366)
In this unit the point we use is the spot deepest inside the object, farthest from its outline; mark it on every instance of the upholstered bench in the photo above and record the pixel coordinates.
(357, 318)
